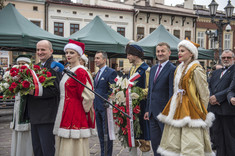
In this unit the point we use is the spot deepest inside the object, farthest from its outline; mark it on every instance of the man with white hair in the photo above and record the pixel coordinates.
(223, 131)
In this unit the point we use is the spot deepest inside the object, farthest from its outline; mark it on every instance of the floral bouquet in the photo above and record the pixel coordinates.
(23, 79)
(118, 97)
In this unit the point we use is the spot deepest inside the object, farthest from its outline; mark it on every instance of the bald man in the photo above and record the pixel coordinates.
(43, 108)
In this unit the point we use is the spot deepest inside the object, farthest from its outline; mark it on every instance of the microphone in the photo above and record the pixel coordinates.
(58, 67)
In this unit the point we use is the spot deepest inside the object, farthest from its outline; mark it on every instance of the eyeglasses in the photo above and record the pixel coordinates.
(228, 58)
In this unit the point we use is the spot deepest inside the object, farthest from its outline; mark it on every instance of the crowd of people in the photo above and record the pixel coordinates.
(186, 110)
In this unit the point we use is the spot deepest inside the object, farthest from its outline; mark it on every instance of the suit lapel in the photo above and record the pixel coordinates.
(153, 75)
(102, 75)
(164, 70)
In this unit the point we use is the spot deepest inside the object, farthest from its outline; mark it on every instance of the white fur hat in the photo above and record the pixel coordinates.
(190, 46)
(24, 58)
(84, 58)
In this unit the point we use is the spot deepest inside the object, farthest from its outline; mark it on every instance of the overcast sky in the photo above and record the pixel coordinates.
(222, 3)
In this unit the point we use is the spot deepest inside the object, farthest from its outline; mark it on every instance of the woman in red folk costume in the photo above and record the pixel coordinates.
(75, 120)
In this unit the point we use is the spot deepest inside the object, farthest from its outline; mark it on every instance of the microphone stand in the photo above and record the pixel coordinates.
(106, 105)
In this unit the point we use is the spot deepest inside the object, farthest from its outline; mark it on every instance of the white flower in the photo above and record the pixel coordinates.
(16, 66)
(112, 97)
(6, 76)
(119, 81)
(6, 85)
(1, 88)
(134, 96)
(120, 97)
(26, 65)
(125, 83)
(16, 78)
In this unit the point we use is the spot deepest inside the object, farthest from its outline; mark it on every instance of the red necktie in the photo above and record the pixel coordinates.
(97, 77)
(158, 71)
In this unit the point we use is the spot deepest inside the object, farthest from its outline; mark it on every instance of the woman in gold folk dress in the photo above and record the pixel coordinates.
(187, 122)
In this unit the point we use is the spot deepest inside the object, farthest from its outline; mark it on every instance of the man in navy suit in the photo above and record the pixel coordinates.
(104, 77)
(223, 130)
(231, 92)
(160, 91)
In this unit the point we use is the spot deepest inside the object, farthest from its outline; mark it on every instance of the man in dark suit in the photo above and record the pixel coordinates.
(231, 92)
(160, 91)
(222, 130)
(43, 108)
(104, 77)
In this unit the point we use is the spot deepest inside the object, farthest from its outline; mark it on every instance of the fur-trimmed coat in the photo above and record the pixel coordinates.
(75, 117)
(188, 105)
(185, 115)
(19, 122)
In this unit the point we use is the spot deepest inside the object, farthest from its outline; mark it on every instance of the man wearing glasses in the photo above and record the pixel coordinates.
(223, 129)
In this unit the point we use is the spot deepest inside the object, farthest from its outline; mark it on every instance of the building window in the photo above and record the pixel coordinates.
(140, 33)
(121, 30)
(120, 63)
(59, 11)
(75, 12)
(151, 30)
(177, 33)
(227, 41)
(153, 20)
(59, 29)
(35, 8)
(165, 21)
(37, 23)
(200, 39)
(74, 28)
(140, 19)
(188, 35)
(212, 43)
(90, 14)
(106, 15)
(176, 22)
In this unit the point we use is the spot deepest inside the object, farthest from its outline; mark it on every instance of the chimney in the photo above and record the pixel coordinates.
(188, 4)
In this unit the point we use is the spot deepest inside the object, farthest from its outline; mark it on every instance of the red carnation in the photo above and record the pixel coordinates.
(120, 120)
(36, 67)
(136, 109)
(25, 84)
(114, 109)
(28, 72)
(13, 74)
(42, 79)
(11, 89)
(133, 117)
(14, 85)
(124, 131)
(23, 67)
(117, 124)
(37, 75)
(48, 74)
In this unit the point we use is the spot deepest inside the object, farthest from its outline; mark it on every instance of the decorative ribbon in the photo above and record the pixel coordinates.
(38, 85)
(181, 92)
(130, 125)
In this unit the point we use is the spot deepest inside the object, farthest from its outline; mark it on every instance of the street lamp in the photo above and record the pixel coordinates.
(220, 24)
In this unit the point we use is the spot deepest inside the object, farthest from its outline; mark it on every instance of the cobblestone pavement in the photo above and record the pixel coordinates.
(5, 143)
